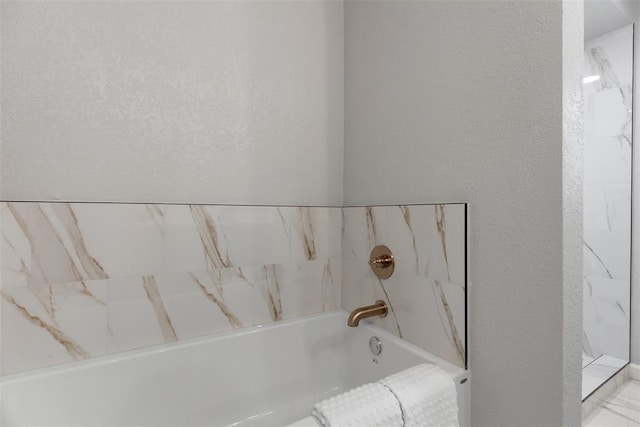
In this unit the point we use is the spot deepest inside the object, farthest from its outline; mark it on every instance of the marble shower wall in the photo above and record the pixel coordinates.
(427, 291)
(80, 280)
(607, 194)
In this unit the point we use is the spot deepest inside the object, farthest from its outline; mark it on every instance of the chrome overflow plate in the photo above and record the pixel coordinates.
(375, 345)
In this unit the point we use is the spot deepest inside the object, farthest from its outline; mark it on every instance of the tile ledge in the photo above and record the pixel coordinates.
(634, 371)
(597, 398)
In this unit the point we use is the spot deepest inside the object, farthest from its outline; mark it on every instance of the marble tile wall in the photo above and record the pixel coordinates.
(607, 194)
(80, 280)
(427, 291)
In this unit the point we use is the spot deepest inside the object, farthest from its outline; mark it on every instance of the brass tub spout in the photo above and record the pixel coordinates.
(377, 309)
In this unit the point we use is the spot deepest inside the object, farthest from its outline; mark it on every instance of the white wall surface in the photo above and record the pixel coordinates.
(603, 16)
(629, 7)
(463, 101)
(203, 102)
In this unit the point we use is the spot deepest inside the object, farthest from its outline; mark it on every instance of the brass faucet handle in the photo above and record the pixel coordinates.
(382, 262)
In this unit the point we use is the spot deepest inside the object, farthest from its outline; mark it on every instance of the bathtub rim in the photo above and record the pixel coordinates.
(457, 373)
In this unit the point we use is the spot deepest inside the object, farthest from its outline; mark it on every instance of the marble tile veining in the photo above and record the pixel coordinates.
(71, 327)
(428, 286)
(80, 280)
(608, 113)
(427, 240)
(132, 321)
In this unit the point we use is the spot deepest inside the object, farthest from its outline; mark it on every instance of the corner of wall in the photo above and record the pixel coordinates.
(572, 59)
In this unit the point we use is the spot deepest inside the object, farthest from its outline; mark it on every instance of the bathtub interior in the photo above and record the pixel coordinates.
(263, 376)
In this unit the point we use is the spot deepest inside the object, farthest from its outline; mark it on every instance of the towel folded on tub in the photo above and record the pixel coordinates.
(423, 395)
(427, 396)
(371, 405)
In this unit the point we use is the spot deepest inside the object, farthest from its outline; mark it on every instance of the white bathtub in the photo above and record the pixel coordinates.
(266, 375)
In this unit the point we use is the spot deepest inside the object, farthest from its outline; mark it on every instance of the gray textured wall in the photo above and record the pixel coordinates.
(463, 101)
(203, 102)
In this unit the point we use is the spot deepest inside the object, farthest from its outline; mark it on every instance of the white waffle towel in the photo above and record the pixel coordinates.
(427, 396)
(370, 405)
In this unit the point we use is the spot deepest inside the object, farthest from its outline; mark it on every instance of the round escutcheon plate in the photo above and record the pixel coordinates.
(381, 262)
